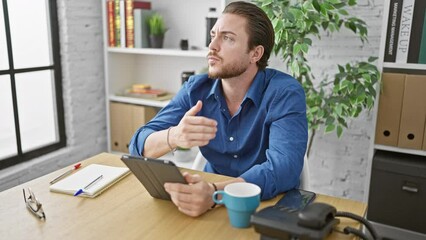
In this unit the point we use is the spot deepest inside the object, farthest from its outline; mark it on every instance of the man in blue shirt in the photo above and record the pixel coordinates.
(249, 121)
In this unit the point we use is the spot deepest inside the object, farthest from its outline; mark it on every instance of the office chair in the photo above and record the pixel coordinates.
(200, 162)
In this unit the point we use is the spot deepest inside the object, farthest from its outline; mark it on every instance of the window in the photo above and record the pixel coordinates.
(31, 107)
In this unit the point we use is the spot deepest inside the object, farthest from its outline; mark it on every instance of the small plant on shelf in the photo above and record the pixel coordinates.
(157, 30)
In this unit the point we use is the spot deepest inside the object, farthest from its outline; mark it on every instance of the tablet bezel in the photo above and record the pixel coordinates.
(153, 173)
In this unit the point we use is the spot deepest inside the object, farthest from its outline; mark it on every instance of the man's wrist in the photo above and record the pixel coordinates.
(172, 149)
(214, 190)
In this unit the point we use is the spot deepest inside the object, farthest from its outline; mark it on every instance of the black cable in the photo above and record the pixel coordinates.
(356, 232)
(362, 220)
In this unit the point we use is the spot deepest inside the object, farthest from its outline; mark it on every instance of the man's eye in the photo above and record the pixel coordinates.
(225, 37)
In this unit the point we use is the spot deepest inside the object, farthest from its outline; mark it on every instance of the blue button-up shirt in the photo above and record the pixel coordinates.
(264, 142)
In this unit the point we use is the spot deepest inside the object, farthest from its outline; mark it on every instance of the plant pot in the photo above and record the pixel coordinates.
(156, 41)
(183, 155)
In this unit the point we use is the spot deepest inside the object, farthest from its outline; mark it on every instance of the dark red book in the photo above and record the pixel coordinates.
(130, 24)
(111, 24)
(141, 4)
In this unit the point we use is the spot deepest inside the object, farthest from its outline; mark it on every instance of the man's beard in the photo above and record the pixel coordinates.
(228, 71)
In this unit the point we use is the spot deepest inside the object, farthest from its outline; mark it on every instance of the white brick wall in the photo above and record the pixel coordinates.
(337, 166)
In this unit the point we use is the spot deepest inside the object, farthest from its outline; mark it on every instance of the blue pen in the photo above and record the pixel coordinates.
(81, 190)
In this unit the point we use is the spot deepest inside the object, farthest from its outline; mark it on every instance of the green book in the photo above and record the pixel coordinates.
(422, 50)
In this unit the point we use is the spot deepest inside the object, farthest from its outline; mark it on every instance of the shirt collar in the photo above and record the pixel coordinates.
(254, 93)
(215, 90)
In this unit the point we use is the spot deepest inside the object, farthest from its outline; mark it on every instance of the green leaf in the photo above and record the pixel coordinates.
(329, 128)
(295, 68)
(308, 41)
(296, 48)
(338, 110)
(304, 47)
(343, 12)
(316, 5)
(339, 131)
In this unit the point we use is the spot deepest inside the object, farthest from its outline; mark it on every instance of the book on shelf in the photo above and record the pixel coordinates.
(422, 51)
(150, 96)
(392, 31)
(117, 22)
(110, 22)
(415, 50)
(141, 11)
(405, 31)
(122, 24)
(129, 24)
(145, 91)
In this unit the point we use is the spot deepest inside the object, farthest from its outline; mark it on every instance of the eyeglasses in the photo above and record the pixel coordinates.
(33, 204)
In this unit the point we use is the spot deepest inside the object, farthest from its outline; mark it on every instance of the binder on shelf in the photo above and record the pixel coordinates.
(417, 30)
(389, 112)
(81, 179)
(413, 113)
(392, 31)
(405, 31)
(424, 139)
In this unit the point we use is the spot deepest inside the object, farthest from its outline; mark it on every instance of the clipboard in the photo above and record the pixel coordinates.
(153, 173)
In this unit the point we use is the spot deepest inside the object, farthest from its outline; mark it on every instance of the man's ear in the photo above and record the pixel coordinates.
(256, 54)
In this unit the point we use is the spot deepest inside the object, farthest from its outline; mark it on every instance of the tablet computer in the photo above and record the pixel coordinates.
(153, 173)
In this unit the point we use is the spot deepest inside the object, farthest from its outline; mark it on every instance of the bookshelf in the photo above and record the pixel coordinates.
(161, 68)
(392, 167)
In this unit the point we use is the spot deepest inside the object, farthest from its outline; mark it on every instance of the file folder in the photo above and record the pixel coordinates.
(389, 112)
(413, 114)
(424, 139)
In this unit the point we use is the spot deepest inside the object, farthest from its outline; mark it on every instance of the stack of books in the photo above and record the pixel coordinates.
(127, 26)
(145, 91)
(406, 32)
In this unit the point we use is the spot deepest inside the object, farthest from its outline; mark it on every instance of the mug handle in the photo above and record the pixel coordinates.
(214, 196)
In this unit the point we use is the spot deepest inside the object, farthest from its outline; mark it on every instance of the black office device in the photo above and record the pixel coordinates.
(153, 173)
(314, 222)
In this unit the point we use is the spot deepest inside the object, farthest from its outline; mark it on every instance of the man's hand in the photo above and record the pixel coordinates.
(194, 198)
(193, 130)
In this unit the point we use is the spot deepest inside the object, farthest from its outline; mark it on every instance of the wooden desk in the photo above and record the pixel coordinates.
(125, 211)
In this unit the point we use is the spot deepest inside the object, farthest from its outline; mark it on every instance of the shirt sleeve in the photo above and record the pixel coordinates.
(168, 116)
(288, 136)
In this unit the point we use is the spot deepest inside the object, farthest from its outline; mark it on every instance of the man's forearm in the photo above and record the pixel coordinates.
(156, 144)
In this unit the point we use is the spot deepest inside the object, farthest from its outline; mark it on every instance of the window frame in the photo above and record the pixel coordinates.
(57, 73)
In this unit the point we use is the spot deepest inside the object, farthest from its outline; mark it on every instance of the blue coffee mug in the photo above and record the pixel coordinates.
(241, 200)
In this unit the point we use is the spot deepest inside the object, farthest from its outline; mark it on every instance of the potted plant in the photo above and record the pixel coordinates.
(330, 102)
(183, 154)
(157, 29)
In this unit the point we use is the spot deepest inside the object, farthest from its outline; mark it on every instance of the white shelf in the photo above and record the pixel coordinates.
(139, 101)
(408, 66)
(160, 52)
(401, 150)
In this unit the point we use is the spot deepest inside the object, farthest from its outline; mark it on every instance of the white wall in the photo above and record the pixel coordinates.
(338, 166)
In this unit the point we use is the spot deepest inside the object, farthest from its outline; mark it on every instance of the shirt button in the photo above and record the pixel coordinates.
(223, 110)
(231, 139)
(235, 156)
